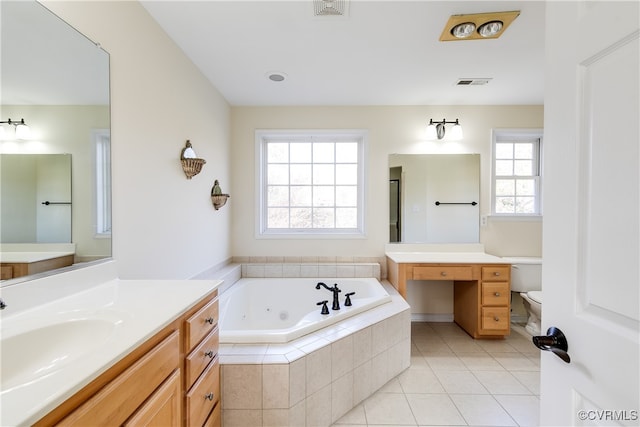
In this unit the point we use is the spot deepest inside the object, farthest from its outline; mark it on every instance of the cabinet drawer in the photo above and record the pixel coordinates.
(215, 419)
(201, 323)
(204, 395)
(445, 272)
(498, 273)
(163, 408)
(114, 403)
(200, 357)
(495, 293)
(495, 318)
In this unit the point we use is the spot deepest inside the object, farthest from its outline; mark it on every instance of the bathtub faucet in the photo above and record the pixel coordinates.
(335, 290)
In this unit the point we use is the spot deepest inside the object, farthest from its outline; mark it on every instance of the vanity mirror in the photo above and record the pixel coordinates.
(433, 198)
(57, 80)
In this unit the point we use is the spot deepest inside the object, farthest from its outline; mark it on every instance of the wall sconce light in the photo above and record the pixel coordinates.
(191, 165)
(477, 26)
(436, 130)
(217, 197)
(22, 131)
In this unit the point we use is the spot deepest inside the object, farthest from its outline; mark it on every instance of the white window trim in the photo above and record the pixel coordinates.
(101, 188)
(516, 134)
(261, 136)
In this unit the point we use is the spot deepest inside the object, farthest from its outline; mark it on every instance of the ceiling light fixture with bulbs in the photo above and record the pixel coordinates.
(477, 26)
(22, 131)
(436, 130)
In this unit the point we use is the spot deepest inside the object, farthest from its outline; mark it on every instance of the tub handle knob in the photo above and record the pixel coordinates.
(325, 309)
(209, 354)
(347, 300)
(209, 320)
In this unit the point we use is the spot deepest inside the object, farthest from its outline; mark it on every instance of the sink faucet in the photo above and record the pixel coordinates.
(335, 290)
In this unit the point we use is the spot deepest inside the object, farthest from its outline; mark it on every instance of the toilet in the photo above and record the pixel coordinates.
(526, 279)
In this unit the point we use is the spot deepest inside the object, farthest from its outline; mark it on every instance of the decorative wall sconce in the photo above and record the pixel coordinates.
(22, 131)
(437, 130)
(217, 197)
(191, 165)
(477, 26)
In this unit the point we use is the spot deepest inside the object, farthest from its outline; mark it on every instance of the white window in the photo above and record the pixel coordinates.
(102, 144)
(310, 183)
(516, 178)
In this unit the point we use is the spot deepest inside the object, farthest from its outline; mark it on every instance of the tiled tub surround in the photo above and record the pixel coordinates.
(316, 379)
(276, 266)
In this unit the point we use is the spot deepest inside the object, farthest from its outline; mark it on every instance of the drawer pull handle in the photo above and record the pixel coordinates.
(209, 354)
(443, 273)
(209, 396)
(209, 320)
(496, 318)
(497, 294)
(496, 273)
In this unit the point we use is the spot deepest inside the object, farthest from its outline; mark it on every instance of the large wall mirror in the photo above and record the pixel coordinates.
(434, 198)
(56, 181)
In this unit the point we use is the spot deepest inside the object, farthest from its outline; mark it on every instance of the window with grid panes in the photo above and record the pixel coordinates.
(311, 183)
(516, 185)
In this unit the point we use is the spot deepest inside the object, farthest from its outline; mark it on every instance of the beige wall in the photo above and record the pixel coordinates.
(391, 130)
(164, 225)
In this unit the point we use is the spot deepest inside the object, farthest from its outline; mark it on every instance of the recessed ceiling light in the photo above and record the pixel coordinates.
(276, 76)
(490, 29)
(477, 26)
(464, 30)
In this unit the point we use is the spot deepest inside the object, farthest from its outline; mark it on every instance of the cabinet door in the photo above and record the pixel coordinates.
(163, 408)
(115, 403)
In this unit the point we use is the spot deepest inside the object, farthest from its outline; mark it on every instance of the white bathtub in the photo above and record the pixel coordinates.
(282, 309)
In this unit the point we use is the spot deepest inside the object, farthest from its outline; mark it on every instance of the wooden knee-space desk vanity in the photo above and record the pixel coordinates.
(482, 286)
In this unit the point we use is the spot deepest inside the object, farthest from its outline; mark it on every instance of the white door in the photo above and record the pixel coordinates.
(591, 256)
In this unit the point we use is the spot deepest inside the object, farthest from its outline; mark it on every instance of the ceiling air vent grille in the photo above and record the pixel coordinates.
(472, 82)
(329, 7)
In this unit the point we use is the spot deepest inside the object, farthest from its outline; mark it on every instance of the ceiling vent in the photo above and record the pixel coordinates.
(329, 7)
(472, 82)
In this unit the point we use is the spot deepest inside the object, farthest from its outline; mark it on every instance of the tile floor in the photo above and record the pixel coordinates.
(456, 380)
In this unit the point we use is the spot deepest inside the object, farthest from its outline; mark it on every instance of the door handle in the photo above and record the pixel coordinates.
(555, 342)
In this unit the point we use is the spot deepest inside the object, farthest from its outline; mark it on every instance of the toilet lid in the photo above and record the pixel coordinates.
(535, 295)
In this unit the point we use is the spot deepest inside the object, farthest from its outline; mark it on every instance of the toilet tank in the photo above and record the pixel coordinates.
(526, 273)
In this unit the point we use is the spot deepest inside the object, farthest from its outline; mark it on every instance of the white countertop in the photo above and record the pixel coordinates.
(29, 257)
(137, 308)
(445, 258)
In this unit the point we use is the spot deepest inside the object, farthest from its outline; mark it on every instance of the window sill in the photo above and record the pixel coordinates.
(523, 218)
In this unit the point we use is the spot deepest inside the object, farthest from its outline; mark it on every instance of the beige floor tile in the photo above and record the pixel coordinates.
(434, 409)
(445, 362)
(388, 408)
(460, 382)
(501, 383)
(480, 362)
(530, 379)
(516, 362)
(524, 409)
(420, 381)
(464, 345)
(482, 410)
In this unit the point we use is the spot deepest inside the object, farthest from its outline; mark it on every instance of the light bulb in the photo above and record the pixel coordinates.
(23, 132)
(431, 132)
(464, 30)
(456, 132)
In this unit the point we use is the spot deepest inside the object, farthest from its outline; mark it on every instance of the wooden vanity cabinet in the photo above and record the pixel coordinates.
(481, 292)
(172, 379)
(482, 307)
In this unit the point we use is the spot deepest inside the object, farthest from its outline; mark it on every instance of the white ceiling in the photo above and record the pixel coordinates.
(382, 53)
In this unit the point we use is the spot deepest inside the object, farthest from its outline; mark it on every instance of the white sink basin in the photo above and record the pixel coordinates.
(34, 353)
